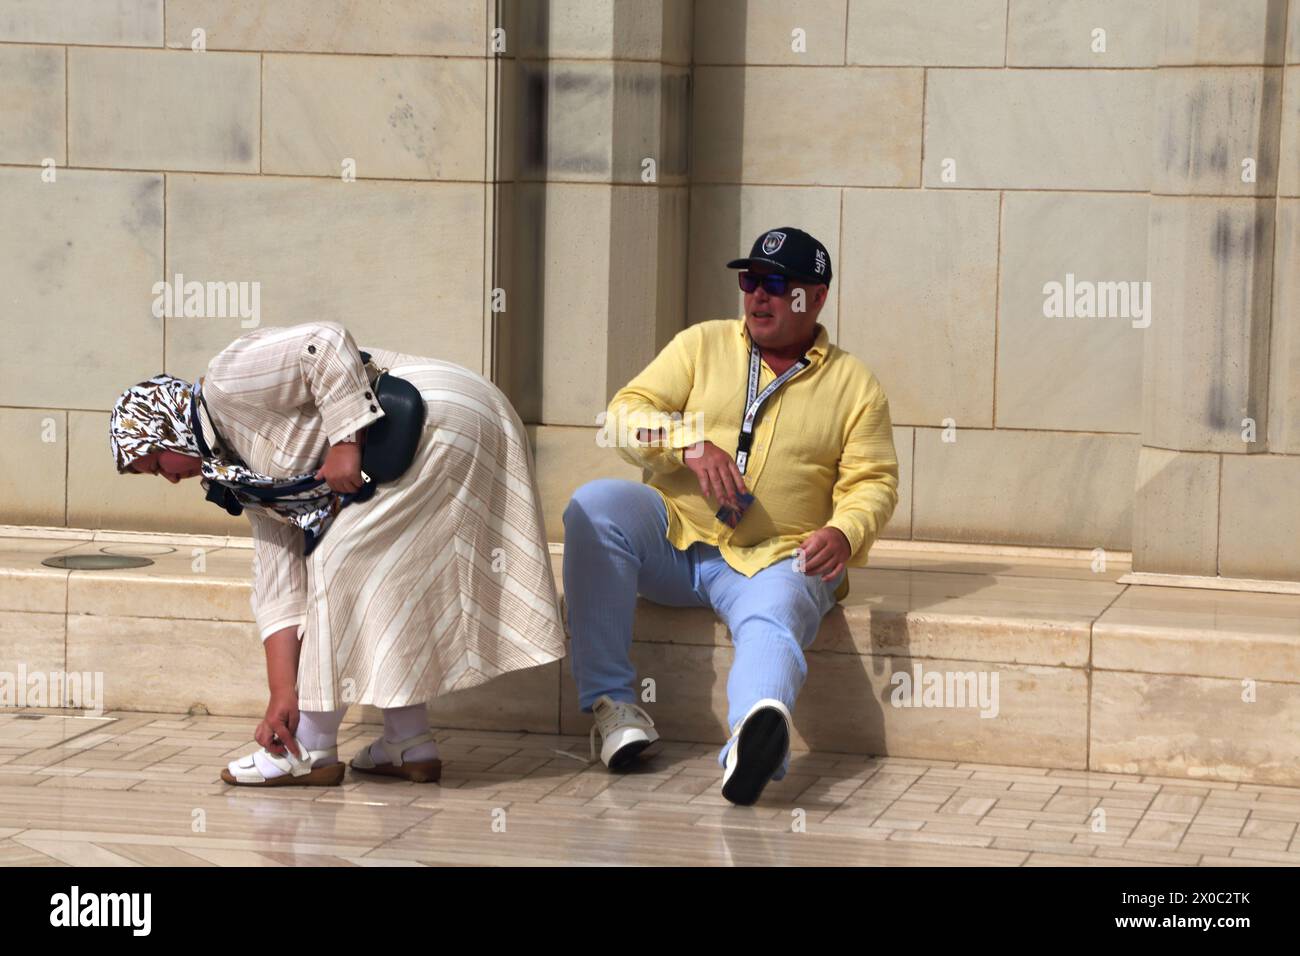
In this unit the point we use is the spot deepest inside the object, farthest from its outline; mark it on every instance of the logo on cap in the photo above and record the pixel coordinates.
(820, 264)
(772, 242)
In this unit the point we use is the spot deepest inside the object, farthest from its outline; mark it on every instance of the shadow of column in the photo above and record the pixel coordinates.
(520, 224)
(648, 223)
(716, 195)
(1270, 119)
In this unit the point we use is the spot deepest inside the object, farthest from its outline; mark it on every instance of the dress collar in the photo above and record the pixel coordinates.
(206, 425)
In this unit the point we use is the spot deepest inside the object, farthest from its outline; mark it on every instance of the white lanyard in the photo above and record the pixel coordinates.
(754, 403)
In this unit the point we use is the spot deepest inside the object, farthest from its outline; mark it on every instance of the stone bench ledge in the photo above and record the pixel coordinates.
(1093, 673)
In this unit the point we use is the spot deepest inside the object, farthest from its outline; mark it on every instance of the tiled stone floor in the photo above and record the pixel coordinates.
(143, 789)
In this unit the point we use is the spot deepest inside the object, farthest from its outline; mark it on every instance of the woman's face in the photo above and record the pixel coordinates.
(172, 465)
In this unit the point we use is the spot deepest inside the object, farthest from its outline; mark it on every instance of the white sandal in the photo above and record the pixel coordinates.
(417, 771)
(298, 771)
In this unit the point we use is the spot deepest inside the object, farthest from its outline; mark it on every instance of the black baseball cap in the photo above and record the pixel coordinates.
(791, 251)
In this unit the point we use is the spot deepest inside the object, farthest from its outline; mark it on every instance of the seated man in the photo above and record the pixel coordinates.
(771, 470)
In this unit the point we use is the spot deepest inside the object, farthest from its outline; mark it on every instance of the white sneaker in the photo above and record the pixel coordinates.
(759, 745)
(626, 730)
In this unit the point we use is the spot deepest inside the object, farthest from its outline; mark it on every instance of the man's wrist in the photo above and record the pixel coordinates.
(691, 451)
(848, 541)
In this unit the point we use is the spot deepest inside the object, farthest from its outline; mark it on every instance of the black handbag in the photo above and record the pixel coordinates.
(391, 441)
(390, 446)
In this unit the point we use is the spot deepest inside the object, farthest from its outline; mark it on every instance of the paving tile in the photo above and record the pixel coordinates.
(957, 824)
(130, 786)
(1135, 802)
(1272, 856)
(1136, 855)
(1206, 829)
(1092, 790)
(1091, 777)
(1157, 833)
(1072, 805)
(1211, 860)
(1168, 802)
(1089, 838)
(1218, 843)
(943, 839)
(1197, 786)
(1023, 802)
(968, 806)
(1275, 811)
(1261, 829)
(16, 854)
(1065, 859)
(1290, 792)
(1035, 845)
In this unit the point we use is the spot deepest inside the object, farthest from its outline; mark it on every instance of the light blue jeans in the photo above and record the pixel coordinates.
(615, 546)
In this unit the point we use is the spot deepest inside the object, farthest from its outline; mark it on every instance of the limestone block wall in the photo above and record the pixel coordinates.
(953, 166)
(336, 155)
(1219, 477)
(957, 157)
(547, 190)
(592, 236)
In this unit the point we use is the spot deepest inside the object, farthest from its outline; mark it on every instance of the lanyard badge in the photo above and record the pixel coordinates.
(753, 406)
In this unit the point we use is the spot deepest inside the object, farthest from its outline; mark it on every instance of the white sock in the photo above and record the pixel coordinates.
(401, 723)
(317, 730)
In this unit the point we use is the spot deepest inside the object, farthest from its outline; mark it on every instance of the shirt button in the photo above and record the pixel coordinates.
(368, 395)
(373, 409)
(311, 349)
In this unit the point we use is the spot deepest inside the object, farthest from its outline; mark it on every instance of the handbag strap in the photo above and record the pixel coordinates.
(373, 371)
(223, 449)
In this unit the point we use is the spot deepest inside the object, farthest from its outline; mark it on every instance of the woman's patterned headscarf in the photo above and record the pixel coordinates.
(152, 416)
(156, 416)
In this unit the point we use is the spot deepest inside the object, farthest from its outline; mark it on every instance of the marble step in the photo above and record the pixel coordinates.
(1032, 657)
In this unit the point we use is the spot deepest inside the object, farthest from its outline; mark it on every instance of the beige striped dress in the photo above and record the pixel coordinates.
(439, 582)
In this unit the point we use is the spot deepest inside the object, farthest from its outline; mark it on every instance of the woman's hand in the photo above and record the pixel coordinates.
(281, 719)
(277, 728)
(342, 467)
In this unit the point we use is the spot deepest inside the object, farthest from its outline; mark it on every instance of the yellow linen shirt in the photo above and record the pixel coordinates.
(823, 451)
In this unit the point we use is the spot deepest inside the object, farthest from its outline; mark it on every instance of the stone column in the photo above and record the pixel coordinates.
(593, 245)
(1209, 491)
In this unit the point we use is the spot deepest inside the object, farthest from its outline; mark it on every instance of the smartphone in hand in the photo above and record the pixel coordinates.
(731, 516)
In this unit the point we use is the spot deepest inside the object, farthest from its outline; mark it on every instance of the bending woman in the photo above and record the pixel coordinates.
(388, 595)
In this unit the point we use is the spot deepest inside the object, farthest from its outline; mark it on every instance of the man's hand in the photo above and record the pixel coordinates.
(825, 552)
(342, 467)
(719, 476)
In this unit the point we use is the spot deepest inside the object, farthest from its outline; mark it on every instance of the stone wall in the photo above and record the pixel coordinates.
(600, 164)
(958, 155)
(128, 157)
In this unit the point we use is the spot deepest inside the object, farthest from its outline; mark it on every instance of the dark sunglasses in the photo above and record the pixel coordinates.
(773, 282)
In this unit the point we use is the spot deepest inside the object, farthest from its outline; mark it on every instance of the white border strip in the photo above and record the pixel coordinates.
(1257, 585)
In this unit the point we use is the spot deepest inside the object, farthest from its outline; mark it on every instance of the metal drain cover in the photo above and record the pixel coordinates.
(96, 562)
